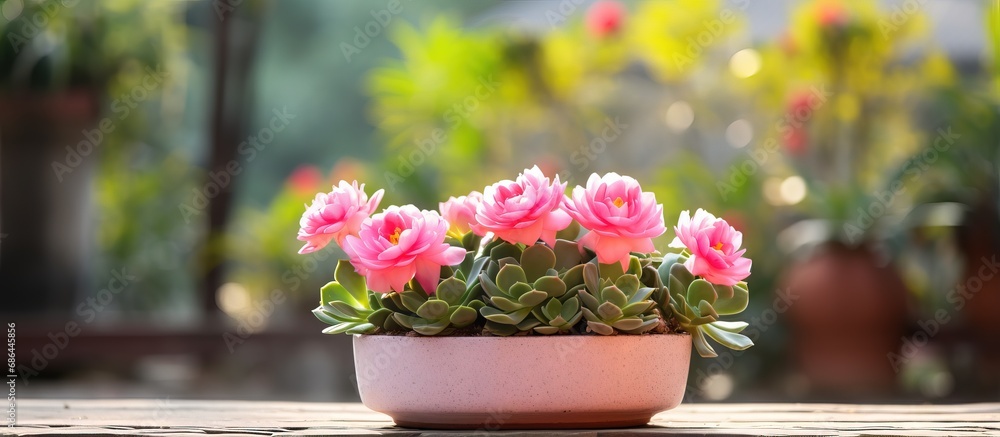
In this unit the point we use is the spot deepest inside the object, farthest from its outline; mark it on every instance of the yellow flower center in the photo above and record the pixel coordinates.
(619, 202)
(718, 246)
(394, 238)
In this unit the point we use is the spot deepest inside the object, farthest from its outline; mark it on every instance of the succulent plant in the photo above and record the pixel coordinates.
(620, 303)
(452, 306)
(348, 306)
(519, 284)
(345, 303)
(697, 305)
(557, 316)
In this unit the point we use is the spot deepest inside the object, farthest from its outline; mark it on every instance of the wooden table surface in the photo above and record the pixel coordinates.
(231, 418)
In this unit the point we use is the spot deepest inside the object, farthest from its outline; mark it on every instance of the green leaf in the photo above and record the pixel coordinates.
(573, 276)
(701, 345)
(681, 273)
(489, 287)
(424, 327)
(405, 320)
(519, 289)
(627, 324)
(477, 267)
(567, 254)
(463, 316)
(334, 291)
(668, 261)
(379, 316)
(505, 304)
(609, 311)
(363, 328)
(326, 317)
(735, 327)
(339, 328)
(347, 311)
(634, 266)
(641, 294)
(700, 290)
(611, 271)
(706, 309)
(570, 308)
(505, 250)
(570, 233)
(728, 339)
(634, 309)
(536, 260)
(510, 275)
(527, 324)
(592, 277)
(351, 280)
(433, 309)
(412, 299)
(600, 328)
(451, 290)
(734, 304)
(551, 285)
(532, 298)
(589, 300)
(513, 318)
(546, 330)
(552, 309)
(628, 284)
(614, 295)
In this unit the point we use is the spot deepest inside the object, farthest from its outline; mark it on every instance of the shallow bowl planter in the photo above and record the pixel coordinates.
(489, 383)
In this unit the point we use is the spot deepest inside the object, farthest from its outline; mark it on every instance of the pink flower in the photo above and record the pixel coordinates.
(399, 243)
(335, 215)
(523, 211)
(605, 18)
(620, 216)
(714, 246)
(461, 211)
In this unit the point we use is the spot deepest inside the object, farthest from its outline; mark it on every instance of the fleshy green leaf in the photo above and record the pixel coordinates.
(735, 327)
(505, 250)
(532, 298)
(728, 339)
(536, 260)
(505, 304)
(736, 303)
(334, 291)
(600, 328)
(611, 271)
(510, 275)
(352, 281)
(609, 311)
(551, 285)
(463, 316)
(701, 345)
(567, 254)
(433, 309)
(628, 284)
(592, 277)
(614, 295)
(451, 290)
(700, 290)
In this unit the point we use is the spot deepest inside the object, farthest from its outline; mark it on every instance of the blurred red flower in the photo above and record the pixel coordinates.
(605, 18)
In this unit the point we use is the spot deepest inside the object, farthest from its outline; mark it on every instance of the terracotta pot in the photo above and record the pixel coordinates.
(490, 383)
(848, 315)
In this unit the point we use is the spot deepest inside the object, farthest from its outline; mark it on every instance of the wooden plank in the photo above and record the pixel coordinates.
(176, 417)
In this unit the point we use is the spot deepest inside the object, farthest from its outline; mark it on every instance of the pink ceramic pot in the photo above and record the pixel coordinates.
(489, 383)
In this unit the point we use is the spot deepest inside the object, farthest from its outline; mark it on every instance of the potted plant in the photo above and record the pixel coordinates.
(499, 313)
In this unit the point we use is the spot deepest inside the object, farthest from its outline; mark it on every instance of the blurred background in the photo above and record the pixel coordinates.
(155, 158)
